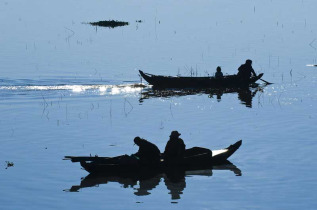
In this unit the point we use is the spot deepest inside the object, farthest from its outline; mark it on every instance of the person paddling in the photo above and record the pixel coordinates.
(246, 70)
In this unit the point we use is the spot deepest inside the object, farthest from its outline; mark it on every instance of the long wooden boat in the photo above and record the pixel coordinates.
(194, 158)
(159, 81)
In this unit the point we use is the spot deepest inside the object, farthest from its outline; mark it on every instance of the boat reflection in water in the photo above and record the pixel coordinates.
(245, 95)
(145, 181)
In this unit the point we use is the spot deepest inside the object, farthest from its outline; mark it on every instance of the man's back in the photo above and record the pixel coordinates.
(246, 70)
(219, 75)
(148, 148)
(175, 148)
(148, 152)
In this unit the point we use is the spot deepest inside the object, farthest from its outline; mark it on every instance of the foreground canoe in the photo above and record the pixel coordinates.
(194, 158)
(159, 81)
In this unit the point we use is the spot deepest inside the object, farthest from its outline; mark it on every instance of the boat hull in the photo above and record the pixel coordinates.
(194, 158)
(198, 82)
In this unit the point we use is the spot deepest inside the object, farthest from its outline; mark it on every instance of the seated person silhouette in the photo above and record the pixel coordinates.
(219, 74)
(148, 152)
(175, 148)
(246, 70)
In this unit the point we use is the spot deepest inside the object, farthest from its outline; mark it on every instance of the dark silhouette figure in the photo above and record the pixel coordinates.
(246, 70)
(148, 152)
(219, 74)
(175, 148)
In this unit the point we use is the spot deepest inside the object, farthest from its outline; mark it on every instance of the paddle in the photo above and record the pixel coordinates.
(268, 83)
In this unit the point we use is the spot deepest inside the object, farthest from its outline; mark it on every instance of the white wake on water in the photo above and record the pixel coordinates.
(103, 89)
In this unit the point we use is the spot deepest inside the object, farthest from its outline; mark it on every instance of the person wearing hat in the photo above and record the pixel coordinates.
(246, 70)
(148, 152)
(175, 147)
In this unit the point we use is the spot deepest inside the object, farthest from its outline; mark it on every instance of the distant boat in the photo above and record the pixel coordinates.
(194, 158)
(159, 81)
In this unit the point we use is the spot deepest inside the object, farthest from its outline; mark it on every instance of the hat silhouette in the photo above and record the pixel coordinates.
(175, 133)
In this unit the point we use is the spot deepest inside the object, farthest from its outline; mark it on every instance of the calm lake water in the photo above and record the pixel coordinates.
(66, 89)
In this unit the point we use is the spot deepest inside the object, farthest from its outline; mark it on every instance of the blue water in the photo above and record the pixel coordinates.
(68, 88)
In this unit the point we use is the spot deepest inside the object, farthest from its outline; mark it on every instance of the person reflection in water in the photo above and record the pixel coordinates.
(147, 185)
(175, 148)
(219, 74)
(148, 152)
(246, 70)
(175, 182)
(245, 96)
